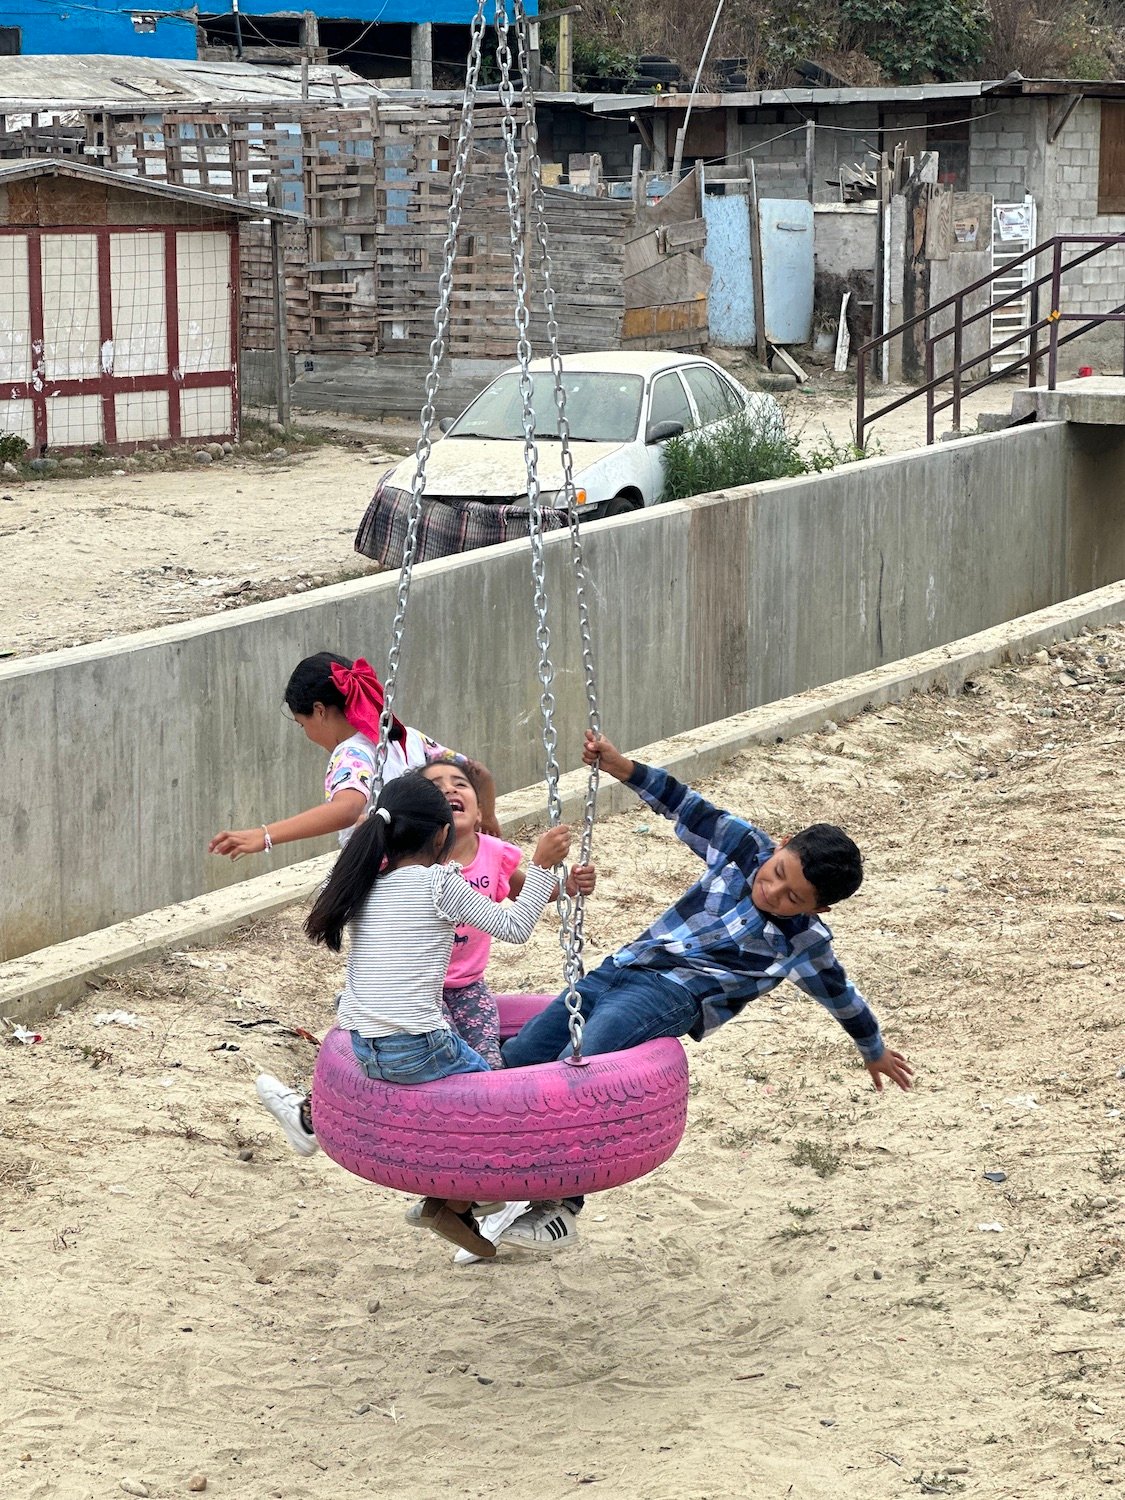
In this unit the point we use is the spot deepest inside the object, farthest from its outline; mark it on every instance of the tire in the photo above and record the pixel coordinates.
(517, 1010)
(620, 505)
(542, 1132)
(654, 67)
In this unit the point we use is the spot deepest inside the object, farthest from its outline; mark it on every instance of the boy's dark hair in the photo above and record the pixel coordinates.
(416, 812)
(311, 683)
(831, 861)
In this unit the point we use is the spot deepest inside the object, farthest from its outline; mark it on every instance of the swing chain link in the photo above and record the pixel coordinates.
(572, 965)
(438, 346)
(572, 932)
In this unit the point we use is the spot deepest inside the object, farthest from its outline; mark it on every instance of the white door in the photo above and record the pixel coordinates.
(1013, 234)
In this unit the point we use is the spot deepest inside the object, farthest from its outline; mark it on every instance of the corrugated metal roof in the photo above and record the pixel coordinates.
(143, 85)
(902, 95)
(58, 166)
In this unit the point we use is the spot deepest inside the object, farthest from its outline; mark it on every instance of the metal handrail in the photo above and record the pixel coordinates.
(1056, 245)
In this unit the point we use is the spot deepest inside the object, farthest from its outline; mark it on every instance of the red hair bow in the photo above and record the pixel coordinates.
(363, 699)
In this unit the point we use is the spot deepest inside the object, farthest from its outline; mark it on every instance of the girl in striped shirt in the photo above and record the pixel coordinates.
(401, 903)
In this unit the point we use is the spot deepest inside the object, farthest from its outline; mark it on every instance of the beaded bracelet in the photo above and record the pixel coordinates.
(269, 841)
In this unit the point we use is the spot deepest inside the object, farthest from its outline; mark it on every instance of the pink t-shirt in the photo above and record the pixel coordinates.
(491, 873)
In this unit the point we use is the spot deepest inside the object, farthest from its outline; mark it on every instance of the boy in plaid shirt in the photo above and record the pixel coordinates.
(751, 920)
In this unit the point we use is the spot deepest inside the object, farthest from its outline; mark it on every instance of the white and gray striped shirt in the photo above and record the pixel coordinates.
(403, 936)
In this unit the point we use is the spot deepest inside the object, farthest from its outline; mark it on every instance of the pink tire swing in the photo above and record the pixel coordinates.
(561, 1128)
(550, 1131)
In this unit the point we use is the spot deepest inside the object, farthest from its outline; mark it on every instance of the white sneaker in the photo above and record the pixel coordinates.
(547, 1226)
(492, 1227)
(285, 1106)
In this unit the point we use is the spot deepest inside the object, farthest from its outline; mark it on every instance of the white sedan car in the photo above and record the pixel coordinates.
(621, 409)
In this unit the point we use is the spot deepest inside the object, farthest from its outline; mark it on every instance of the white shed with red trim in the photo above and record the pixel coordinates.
(119, 309)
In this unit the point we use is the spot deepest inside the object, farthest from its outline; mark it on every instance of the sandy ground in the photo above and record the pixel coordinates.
(84, 558)
(821, 1295)
(112, 554)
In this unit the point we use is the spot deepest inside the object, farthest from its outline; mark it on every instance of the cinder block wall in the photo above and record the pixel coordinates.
(1070, 206)
(119, 760)
(1006, 149)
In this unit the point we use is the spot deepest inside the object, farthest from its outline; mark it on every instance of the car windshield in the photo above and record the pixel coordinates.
(600, 407)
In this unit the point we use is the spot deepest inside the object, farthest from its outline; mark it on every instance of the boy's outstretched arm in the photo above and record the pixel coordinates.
(609, 758)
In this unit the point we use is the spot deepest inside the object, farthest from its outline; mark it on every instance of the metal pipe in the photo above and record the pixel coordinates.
(1056, 292)
(958, 333)
(681, 134)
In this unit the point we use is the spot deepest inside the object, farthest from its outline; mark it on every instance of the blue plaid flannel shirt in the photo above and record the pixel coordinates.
(717, 944)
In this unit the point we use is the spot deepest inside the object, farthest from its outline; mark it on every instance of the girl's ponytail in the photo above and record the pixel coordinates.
(410, 815)
(351, 882)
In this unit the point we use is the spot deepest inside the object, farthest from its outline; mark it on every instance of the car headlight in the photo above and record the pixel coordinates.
(556, 499)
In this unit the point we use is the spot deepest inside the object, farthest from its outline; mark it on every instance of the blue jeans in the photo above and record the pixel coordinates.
(416, 1059)
(621, 1008)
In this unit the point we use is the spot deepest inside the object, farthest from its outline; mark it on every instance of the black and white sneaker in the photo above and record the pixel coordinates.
(547, 1226)
(288, 1108)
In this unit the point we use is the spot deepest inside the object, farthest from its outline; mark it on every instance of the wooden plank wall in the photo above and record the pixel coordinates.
(666, 277)
(361, 273)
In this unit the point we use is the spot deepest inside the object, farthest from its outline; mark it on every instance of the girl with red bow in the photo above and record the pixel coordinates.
(338, 704)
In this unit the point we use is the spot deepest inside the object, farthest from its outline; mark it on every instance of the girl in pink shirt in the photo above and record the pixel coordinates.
(492, 866)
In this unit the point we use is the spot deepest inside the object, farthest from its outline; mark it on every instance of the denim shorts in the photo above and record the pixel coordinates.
(416, 1059)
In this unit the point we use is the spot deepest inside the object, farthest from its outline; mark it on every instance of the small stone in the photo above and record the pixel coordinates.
(827, 1421)
(25, 1458)
(363, 1408)
(202, 456)
(1101, 1201)
(956, 1468)
(198, 1483)
(10, 469)
(43, 465)
(73, 463)
(215, 450)
(228, 449)
(1092, 1406)
(134, 1486)
(276, 426)
(1067, 681)
(484, 1380)
(277, 453)
(119, 473)
(996, 1177)
(1114, 916)
(830, 726)
(877, 1275)
(264, 1278)
(373, 1304)
(246, 1154)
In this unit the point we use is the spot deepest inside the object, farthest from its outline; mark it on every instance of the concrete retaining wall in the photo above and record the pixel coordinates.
(118, 761)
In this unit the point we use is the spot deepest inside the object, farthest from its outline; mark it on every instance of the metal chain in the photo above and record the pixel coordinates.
(437, 354)
(574, 938)
(509, 127)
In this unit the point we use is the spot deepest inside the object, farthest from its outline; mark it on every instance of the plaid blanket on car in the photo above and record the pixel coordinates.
(445, 527)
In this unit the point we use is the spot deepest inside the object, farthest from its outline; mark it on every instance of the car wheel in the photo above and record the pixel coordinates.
(620, 505)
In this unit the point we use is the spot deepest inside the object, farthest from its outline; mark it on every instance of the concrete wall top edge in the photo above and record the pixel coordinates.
(297, 604)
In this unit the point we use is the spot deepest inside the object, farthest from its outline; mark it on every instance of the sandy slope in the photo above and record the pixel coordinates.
(734, 1326)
